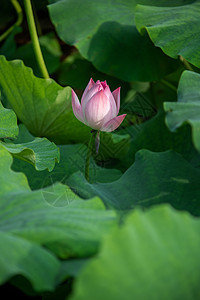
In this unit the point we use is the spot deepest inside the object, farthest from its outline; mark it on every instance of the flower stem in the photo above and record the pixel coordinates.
(19, 12)
(97, 141)
(89, 152)
(34, 38)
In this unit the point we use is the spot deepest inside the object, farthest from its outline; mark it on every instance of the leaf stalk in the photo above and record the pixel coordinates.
(34, 38)
(19, 12)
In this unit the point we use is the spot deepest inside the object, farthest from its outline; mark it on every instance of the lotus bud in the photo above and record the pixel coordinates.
(99, 107)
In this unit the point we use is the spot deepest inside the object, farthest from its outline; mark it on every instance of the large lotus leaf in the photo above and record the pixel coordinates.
(41, 104)
(21, 257)
(112, 146)
(8, 123)
(155, 136)
(187, 109)
(41, 153)
(73, 229)
(174, 29)
(76, 72)
(155, 255)
(154, 178)
(127, 55)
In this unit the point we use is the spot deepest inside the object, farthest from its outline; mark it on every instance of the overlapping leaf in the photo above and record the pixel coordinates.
(54, 217)
(174, 29)
(155, 136)
(8, 123)
(41, 104)
(109, 23)
(154, 255)
(154, 178)
(40, 153)
(19, 256)
(187, 109)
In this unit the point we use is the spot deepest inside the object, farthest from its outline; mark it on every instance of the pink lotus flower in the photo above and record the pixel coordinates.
(99, 107)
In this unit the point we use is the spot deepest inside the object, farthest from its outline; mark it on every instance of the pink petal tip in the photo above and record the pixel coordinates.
(114, 123)
(116, 95)
(77, 110)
